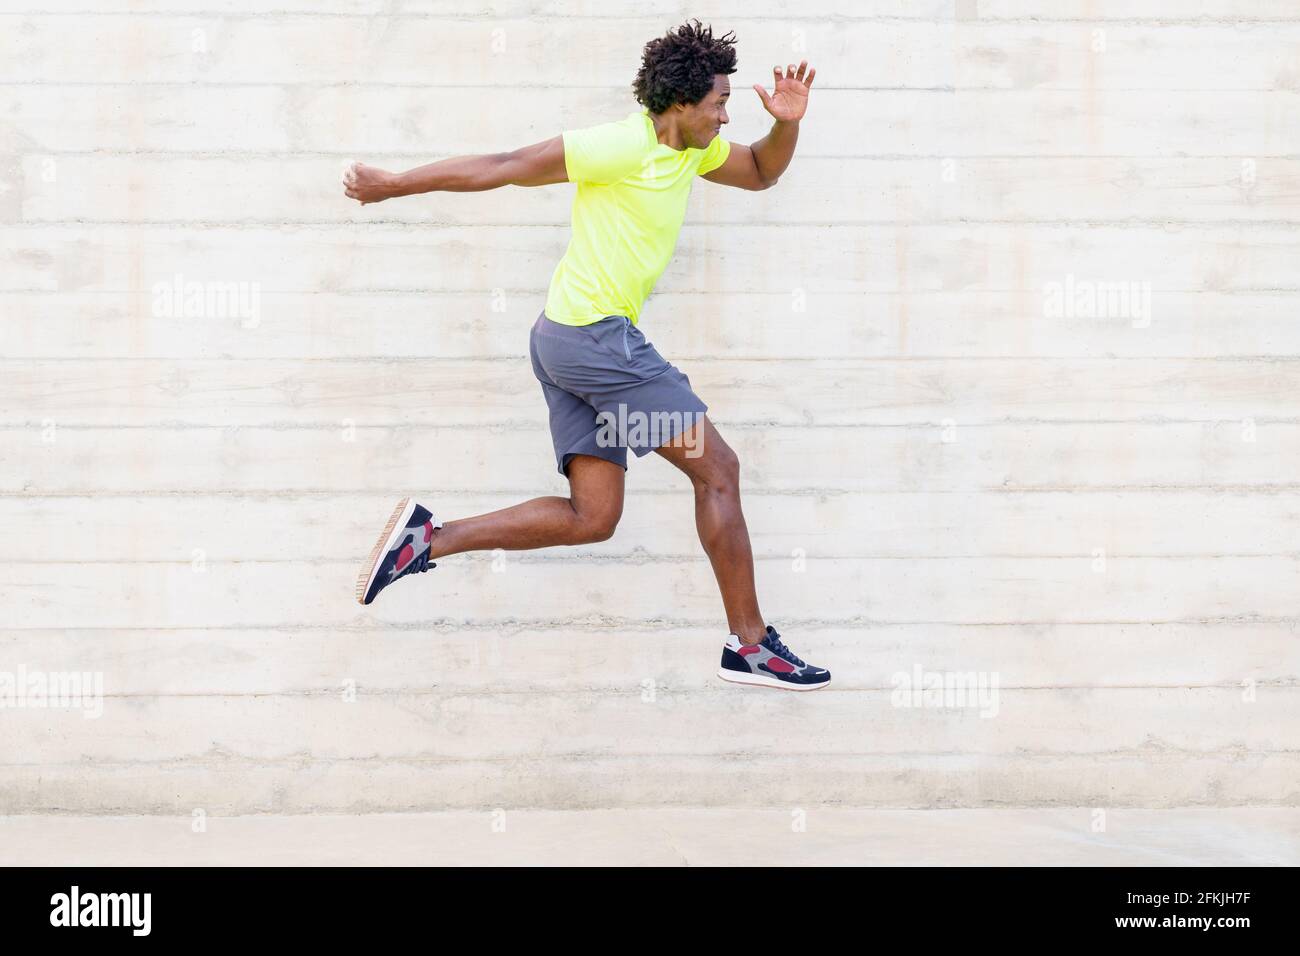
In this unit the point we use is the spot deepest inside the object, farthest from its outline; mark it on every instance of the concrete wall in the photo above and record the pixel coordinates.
(943, 471)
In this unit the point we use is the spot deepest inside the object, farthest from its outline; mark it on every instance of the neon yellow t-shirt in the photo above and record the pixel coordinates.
(627, 212)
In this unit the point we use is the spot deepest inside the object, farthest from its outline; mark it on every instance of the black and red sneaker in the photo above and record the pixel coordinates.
(402, 549)
(769, 663)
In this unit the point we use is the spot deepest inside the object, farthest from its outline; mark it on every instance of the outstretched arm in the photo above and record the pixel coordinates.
(760, 165)
(538, 165)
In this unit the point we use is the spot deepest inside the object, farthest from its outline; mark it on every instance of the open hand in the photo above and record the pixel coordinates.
(789, 100)
(368, 184)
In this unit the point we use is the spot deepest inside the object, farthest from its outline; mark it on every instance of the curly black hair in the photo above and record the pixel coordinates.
(679, 67)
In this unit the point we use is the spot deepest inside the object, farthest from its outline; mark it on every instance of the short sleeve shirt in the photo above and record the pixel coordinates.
(627, 213)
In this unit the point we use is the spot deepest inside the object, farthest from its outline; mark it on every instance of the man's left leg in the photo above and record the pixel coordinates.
(714, 471)
(650, 399)
(754, 652)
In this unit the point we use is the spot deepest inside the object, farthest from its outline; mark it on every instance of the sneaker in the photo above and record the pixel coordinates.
(769, 663)
(402, 549)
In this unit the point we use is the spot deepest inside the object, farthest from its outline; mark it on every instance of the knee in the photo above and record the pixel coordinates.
(593, 526)
(722, 477)
(601, 529)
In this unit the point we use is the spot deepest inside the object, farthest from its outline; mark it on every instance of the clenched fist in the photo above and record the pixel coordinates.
(368, 184)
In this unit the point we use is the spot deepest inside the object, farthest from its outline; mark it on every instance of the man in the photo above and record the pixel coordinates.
(606, 386)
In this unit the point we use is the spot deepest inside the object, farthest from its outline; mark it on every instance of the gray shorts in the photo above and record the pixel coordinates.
(609, 390)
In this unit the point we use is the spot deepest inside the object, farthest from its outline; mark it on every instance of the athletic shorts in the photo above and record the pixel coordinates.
(609, 390)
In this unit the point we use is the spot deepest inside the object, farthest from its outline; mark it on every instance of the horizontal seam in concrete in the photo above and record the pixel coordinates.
(593, 622)
(822, 492)
(519, 357)
(205, 83)
(784, 294)
(1134, 222)
(531, 425)
(637, 557)
(370, 225)
(1217, 491)
(837, 360)
(633, 689)
(431, 155)
(1233, 754)
(833, 18)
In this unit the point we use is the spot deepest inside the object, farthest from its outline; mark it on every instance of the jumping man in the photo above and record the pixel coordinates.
(608, 389)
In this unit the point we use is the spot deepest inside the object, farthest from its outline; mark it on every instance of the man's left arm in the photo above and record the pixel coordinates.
(760, 165)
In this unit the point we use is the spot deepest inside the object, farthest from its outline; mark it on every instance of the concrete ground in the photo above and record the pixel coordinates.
(671, 837)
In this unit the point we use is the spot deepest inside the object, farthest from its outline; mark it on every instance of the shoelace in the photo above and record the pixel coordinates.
(778, 648)
(419, 565)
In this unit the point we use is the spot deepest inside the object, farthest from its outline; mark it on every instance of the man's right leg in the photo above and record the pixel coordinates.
(589, 514)
(414, 537)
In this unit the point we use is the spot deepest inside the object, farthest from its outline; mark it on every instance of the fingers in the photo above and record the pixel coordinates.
(804, 74)
(359, 182)
(762, 95)
(350, 181)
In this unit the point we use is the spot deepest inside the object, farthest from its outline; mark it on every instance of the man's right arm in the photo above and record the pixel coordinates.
(538, 165)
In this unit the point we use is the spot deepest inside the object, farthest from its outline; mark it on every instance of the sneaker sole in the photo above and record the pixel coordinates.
(396, 523)
(762, 680)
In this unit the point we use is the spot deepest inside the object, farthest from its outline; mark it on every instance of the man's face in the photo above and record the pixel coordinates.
(703, 120)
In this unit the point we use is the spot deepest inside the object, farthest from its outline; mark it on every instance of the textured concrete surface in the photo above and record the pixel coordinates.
(217, 374)
(693, 837)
